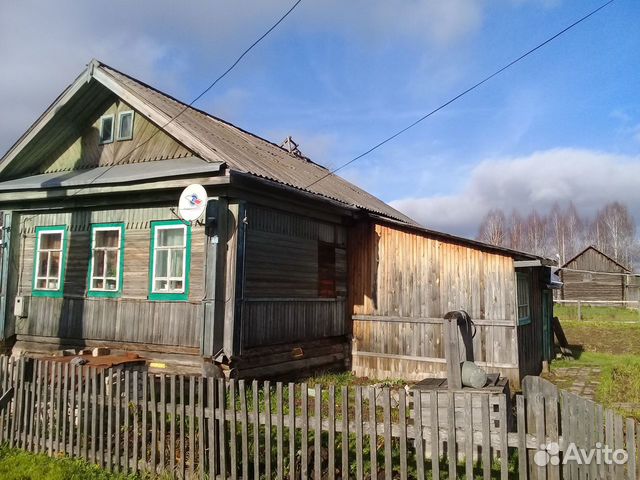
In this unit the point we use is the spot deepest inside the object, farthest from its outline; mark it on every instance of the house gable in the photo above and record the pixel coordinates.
(70, 138)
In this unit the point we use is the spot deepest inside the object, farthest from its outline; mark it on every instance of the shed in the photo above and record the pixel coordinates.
(292, 269)
(593, 276)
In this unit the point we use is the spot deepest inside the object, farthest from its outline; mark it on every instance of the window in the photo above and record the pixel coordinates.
(106, 129)
(524, 316)
(326, 270)
(107, 258)
(48, 272)
(170, 260)
(125, 125)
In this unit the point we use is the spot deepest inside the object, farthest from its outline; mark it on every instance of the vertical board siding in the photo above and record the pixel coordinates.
(296, 431)
(398, 275)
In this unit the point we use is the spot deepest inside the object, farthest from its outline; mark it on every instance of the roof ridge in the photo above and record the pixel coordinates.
(203, 112)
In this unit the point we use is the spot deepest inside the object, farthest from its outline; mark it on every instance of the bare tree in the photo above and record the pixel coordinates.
(574, 232)
(493, 228)
(516, 231)
(615, 232)
(535, 228)
(557, 232)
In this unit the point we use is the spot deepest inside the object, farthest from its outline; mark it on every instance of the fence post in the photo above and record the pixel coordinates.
(579, 310)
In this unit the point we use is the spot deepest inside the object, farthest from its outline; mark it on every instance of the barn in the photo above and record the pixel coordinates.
(290, 269)
(592, 276)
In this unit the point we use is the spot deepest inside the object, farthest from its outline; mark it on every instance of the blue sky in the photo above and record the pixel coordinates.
(562, 125)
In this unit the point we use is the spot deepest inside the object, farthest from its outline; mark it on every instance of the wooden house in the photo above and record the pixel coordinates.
(593, 276)
(291, 268)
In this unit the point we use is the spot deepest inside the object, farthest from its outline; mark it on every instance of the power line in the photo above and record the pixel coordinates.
(204, 92)
(462, 94)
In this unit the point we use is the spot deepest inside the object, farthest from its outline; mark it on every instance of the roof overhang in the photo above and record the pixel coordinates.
(114, 174)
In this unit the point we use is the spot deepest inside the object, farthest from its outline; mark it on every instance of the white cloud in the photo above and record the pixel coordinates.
(588, 178)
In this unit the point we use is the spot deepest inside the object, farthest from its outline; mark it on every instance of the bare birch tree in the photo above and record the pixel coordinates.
(493, 228)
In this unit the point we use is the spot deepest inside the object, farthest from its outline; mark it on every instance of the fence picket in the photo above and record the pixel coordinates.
(245, 428)
(345, 433)
(331, 444)
(192, 426)
(435, 435)
(127, 398)
(631, 448)
(386, 409)
(222, 395)
(417, 427)
(373, 434)
(359, 434)
(60, 407)
(486, 437)
(136, 420)
(402, 420)
(292, 431)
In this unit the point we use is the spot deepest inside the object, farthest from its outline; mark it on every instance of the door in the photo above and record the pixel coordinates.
(547, 330)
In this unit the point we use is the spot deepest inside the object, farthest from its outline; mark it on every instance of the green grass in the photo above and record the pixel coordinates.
(619, 379)
(589, 313)
(20, 465)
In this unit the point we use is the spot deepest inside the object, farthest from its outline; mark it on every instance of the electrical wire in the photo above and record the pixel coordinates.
(203, 93)
(462, 94)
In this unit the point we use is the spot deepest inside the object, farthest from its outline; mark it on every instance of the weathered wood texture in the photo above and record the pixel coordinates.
(127, 422)
(282, 301)
(530, 341)
(130, 317)
(582, 285)
(401, 285)
(84, 151)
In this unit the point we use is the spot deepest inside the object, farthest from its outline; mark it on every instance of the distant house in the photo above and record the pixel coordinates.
(594, 276)
(291, 269)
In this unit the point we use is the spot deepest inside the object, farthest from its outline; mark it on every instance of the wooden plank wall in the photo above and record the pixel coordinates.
(401, 285)
(85, 151)
(593, 286)
(281, 302)
(130, 318)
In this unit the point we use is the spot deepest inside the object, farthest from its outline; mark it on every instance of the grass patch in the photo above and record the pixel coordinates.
(590, 313)
(20, 465)
(619, 386)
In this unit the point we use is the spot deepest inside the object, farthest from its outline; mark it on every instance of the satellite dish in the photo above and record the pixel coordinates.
(192, 203)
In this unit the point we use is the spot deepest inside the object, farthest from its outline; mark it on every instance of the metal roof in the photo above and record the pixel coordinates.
(133, 172)
(247, 153)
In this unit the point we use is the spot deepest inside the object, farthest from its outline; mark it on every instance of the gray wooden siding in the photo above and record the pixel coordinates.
(281, 299)
(130, 318)
(84, 151)
(401, 285)
(594, 286)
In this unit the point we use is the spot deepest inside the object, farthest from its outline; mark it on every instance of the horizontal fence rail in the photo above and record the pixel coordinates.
(130, 421)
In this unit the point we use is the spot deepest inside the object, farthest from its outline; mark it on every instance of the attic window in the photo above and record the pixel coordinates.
(125, 125)
(106, 129)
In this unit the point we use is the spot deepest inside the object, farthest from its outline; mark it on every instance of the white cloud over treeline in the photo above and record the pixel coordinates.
(588, 178)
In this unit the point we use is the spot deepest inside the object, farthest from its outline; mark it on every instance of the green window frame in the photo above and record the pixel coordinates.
(523, 299)
(43, 257)
(166, 284)
(95, 279)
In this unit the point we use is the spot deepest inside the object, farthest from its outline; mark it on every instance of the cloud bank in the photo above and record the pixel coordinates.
(588, 178)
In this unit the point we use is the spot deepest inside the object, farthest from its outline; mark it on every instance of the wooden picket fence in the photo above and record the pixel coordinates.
(192, 427)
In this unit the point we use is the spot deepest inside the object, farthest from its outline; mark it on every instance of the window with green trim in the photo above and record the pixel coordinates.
(170, 260)
(49, 267)
(524, 313)
(107, 260)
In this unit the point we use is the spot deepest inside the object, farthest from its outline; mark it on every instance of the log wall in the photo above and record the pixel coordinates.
(581, 285)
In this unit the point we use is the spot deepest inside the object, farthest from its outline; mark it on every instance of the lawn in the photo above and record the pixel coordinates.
(608, 338)
(21, 465)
